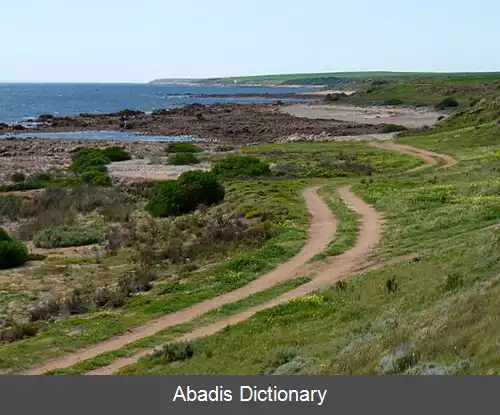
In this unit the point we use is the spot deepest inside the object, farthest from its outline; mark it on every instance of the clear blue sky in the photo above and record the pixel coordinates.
(136, 41)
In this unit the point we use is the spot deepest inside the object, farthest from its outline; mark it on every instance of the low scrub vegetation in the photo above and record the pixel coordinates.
(116, 153)
(187, 193)
(181, 159)
(65, 235)
(393, 128)
(447, 103)
(182, 147)
(238, 166)
(12, 253)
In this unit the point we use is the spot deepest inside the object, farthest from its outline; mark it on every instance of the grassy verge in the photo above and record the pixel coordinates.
(332, 160)
(347, 229)
(175, 331)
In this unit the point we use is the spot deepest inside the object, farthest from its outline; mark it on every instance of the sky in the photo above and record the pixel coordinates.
(137, 41)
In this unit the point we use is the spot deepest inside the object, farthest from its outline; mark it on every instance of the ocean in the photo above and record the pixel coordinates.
(20, 102)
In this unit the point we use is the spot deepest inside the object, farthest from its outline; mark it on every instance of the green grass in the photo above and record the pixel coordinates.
(347, 228)
(280, 78)
(178, 330)
(443, 311)
(332, 160)
(350, 331)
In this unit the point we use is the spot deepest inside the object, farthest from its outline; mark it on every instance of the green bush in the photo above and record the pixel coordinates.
(12, 253)
(96, 178)
(64, 236)
(447, 103)
(182, 147)
(117, 153)
(182, 159)
(234, 166)
(4, 236)
(186, 194)
(393, 128)
(89, 159)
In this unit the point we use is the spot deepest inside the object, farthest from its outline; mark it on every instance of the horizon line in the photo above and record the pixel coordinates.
(245, 76)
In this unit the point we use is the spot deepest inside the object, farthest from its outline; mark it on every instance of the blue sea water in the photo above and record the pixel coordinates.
(19, 102)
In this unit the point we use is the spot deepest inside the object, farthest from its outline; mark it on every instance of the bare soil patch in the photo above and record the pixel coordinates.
(143, 169)
(411, 118)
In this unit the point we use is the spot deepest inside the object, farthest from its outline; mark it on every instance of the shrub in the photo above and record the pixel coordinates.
(96, 178)
(393, 128)
(334, 97)
(186, 194)
(45, 310)
(18, 331)
(393, 102)
(12, 254)
(89, 159)
(234, 166)
(174, 352)
(65, 235)
(43, 177)
(224, 148)
(74, 303)
(182, 147)
(4, 236)
(117, 153)
(182, 159)
(18, 177)
(391, 285)
(453, 282)
(447, 103)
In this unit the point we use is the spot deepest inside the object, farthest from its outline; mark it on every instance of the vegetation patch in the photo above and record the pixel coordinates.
(182, 159)
(191, 190)
(65, 236)
(182, 147)
(237, 166)
(447, 103)
(393, 128)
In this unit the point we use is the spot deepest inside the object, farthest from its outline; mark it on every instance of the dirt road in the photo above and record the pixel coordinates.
(340, 267)
(322, 229)
(429, 157)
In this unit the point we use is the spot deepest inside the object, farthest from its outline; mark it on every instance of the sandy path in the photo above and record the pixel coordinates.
(412, 118)
(322, 229)
(340, 267)
(429, 158)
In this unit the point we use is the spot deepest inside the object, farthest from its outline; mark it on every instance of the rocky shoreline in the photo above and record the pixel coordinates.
(225, 123)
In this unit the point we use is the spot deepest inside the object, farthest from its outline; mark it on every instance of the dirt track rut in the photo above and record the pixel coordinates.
(339, 268)
(322, 229)
(429, 158)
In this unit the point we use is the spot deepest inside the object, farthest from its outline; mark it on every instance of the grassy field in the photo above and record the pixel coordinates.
(436, 315)
(280, 78)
